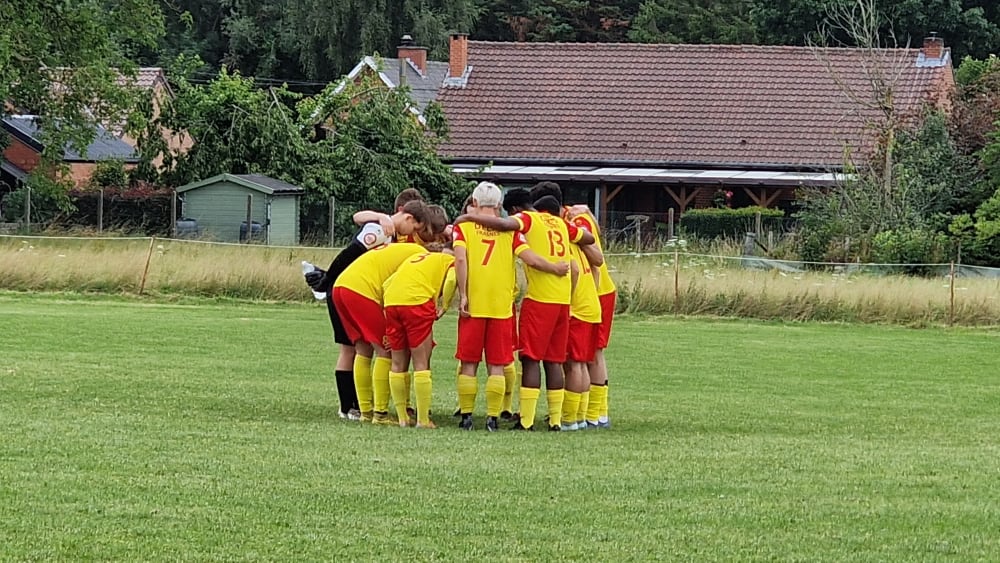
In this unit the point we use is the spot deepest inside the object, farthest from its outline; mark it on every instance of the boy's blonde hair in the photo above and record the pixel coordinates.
(487, 194)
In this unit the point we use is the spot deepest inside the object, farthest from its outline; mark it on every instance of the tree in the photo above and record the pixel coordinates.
(360, 143)
(965, 25)
(63, 61)
(908, 181)
(692, 21)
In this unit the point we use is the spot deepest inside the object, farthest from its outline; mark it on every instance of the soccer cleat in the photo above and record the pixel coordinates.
(507, 416)
(466, 422)
(382, 419)
(492, 424)
(353, 414)
(592, 425)
(518, 426)
(457, 413)
(555, 428)
(570, 427)
(366, 416)
(605, 424)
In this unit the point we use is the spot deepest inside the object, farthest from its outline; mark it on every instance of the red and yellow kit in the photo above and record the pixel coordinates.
(491, 274)
(584, 312)
(410, 297)
(544, 322)
(606, 290)
(358, 291)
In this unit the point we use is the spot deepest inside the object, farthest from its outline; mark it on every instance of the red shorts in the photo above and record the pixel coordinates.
(582, 340)
(607, 315)
(544, 329)
(362, 317)
(477, 335)
(407, 326)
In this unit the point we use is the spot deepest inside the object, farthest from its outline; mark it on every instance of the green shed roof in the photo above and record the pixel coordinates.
(258, 182)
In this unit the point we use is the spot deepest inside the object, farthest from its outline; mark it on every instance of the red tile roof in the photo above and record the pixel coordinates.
(716, 104)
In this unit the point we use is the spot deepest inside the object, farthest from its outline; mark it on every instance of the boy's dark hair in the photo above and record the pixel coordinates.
(515, 200)
(406, 196)
(542, 189)
(437, 220)
(465, 205)
(548, 204)
(420, 211)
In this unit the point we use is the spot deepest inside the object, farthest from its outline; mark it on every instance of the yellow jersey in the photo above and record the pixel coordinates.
(367, 274)
(585, 305)
(549, 237)
(586, 221)
(491, 274)
(421, 278)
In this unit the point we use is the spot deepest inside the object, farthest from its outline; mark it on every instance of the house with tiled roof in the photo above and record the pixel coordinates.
(23, 152)
(410, 68)
(642, 128)
(153, 81)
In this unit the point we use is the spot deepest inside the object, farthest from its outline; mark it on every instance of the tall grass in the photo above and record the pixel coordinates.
(705, 286)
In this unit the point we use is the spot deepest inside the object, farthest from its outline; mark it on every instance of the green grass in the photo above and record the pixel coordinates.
(138, 430)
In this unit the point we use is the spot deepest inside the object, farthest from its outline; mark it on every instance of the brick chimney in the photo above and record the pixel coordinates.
(458, 54)
(933, 47)
(409, 50)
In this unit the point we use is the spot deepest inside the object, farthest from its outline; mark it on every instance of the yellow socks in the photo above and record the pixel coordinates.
(555, 402)
(598, 395)
(422, 387)
(380, 384)
(510, 379)
(458, 377)
(397, 384)
(467, 387)
(581, 413)
(529, 401)
(363, 382)
(495, 387)
(571, 403)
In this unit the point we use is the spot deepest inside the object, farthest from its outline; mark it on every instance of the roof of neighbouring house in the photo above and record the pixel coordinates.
(697, 105)
(256, 182)
(423, 87)
(105, 145)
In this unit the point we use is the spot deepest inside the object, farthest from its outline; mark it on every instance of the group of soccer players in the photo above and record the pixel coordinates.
(399, 274)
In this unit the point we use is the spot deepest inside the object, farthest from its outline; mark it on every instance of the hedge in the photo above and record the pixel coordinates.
(725, 222)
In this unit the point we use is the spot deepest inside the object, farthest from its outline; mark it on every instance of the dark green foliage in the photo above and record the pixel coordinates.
(139, 209)
(79, 50)
(692, 21)
(724, 222)
(965, 25)
(912, 246)
(979, 235)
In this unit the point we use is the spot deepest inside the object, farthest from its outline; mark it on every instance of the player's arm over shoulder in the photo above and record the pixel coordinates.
(578, 235)
(495, 223)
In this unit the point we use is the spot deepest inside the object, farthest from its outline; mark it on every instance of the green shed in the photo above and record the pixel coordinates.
(218, 205)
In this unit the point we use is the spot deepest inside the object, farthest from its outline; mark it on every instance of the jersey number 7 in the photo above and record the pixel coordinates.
(490, 244)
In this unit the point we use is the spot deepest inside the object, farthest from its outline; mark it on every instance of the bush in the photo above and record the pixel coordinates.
(913, 246)
(725, 222)
(142, 208)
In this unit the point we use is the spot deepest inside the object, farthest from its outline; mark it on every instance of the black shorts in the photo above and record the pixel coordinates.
(339, 334)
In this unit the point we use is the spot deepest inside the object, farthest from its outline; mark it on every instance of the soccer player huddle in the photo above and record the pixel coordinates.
(386, 289)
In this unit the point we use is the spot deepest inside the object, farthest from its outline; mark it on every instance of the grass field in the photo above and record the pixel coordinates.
(142, 430)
